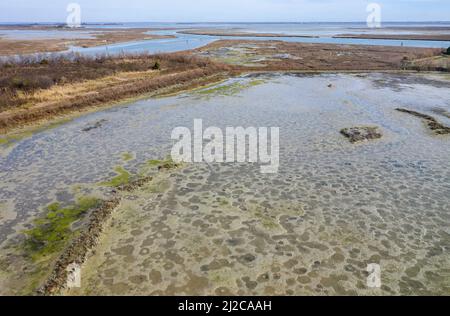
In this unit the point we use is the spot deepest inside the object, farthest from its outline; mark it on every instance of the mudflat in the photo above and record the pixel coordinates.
(419, 37)
(227, 229)
(87, 37)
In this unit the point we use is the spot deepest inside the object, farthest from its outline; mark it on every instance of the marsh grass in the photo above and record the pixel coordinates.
(31, 90)
(19, 80)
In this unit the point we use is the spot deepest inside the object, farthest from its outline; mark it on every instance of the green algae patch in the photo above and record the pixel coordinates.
(14, 138)
(123, 177)
(166, 164)
(230, 89)
(52, 232)
(222, 201)
(159, 186)
(127, 156)
(53, 124)
(266, 221)
(255, 82)
(11, 139)
(154, 163)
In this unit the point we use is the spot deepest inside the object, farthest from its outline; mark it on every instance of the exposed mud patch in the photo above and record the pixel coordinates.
(362, 133)
(96, 125)
(432, 123)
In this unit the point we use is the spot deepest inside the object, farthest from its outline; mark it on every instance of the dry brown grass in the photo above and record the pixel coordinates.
(439, 63)
(118, 36)
(13, 47)
(322, 57)
(21, 82)
(85, 87)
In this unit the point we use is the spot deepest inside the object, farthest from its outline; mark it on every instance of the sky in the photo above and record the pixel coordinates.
(223, 10)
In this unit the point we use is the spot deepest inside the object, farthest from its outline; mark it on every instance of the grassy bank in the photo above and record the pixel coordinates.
(33, 91)
(285, 56)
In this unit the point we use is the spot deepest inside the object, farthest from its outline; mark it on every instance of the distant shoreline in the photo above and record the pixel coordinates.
(406, 37)
(224, 22)
(99, 36)
(242, 34)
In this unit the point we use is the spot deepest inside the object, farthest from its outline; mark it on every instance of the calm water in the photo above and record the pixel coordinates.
(44, 34)
(188, 41)
(312, 228)
(325, 31)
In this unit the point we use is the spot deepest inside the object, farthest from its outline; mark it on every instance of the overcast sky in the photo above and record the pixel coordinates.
(222, 10)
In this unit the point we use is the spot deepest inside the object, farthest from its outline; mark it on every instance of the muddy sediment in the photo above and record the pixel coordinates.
(79, 249)
(361, 133)
(223, 229)
(279, 55)
(436, 127)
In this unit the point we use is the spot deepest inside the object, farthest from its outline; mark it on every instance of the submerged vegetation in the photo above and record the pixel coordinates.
(123, 177)
(66, 234)
(127, 156)
(52, 232)
(166, 164)
(230, 89)
(10, 139)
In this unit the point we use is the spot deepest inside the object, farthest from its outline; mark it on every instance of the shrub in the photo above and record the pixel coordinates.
(19, 83)
(31, 82)
(156, 66)
(448, 51)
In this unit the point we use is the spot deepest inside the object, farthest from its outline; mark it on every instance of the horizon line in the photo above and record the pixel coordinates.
(218, 22)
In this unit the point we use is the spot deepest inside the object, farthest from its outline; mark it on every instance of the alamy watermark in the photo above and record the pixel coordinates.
(374, 277)
(374, 17)
(237, 144)
(74, 18)
(73, 276)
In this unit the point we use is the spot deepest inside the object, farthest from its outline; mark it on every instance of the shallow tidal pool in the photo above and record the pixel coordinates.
(215, 229)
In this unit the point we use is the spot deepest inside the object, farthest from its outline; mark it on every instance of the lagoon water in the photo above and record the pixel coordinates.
(324, 31)
(333, 208)
(189, 41)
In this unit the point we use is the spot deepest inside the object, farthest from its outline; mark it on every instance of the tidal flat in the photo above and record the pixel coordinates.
(218, 229)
